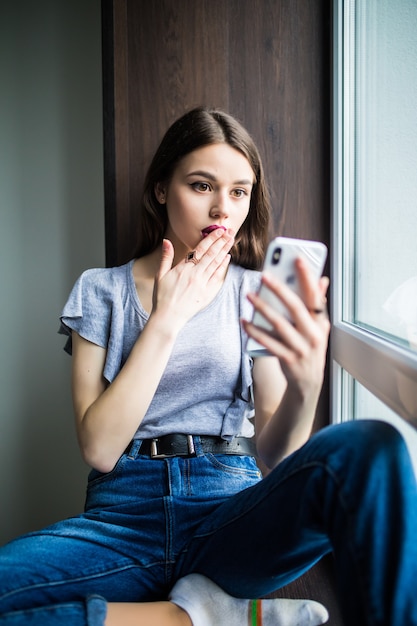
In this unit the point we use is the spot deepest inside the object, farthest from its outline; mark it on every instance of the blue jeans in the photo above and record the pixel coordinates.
(351, 490)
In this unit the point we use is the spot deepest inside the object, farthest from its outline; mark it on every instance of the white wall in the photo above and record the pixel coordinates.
(51, 228)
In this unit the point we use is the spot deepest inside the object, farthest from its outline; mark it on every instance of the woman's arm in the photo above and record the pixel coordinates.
(287, 388)
(107, 416)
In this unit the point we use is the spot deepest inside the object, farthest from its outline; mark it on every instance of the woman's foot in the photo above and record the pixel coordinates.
(208, 605)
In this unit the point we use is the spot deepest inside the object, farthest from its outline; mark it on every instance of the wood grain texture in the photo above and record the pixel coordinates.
(265, 61)
(317, 584)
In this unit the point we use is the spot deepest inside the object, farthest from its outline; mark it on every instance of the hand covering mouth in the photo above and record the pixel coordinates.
(209, 229)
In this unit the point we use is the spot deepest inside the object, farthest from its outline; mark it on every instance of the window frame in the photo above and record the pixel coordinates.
(377, 363)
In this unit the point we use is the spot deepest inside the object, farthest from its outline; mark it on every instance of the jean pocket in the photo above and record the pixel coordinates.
(234, 465)
(95, 477)
(215, 476)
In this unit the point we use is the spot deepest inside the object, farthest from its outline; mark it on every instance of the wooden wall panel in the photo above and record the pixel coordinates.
(265, 61)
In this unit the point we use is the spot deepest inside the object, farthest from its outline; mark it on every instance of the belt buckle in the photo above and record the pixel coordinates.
(154, 450)
(155, 454)
(190, 444)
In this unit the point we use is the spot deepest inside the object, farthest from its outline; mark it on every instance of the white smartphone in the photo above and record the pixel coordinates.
(279, 261)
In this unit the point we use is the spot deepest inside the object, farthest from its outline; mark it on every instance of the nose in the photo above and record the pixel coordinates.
(219, 207)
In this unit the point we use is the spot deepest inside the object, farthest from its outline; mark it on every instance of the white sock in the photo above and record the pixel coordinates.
(208, 605)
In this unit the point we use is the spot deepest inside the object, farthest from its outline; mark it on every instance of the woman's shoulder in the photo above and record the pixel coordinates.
(96, 301)
(98, 289)
(107, 275)
(105, 282)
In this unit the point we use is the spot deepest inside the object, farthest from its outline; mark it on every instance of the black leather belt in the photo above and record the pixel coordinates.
(184, 445)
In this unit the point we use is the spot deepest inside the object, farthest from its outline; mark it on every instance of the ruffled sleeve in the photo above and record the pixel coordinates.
(95, 310)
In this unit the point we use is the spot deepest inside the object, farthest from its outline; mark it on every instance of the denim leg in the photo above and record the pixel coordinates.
(124, 547)
(116, 549)
(92, 612)
(68, 562)
(350, 489)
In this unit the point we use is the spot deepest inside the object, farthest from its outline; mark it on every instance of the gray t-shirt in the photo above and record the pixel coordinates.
(206, 386)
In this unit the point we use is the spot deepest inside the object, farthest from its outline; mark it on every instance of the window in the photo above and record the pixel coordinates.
(374, 307)
(368, 406)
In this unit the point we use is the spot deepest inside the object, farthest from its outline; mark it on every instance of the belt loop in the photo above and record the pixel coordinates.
(198, 447)
(132, 449)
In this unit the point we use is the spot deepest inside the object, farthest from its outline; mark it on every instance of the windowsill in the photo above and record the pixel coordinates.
(386, 370)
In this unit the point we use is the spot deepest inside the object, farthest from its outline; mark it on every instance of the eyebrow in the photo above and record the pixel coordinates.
(210, 176)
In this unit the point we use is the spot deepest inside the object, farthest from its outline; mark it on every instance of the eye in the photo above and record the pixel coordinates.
(239, 193)
(201, 187)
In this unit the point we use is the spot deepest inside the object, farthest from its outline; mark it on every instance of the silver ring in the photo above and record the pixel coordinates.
(192, 258)
(318, 310)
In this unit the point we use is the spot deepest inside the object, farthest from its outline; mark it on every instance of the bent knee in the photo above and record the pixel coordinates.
(363, 441)
(377, 435)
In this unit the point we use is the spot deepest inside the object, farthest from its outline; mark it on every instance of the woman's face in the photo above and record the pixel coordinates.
(211, 186)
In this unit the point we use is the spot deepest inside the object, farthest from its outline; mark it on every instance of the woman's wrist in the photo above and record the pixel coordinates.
(164, 325)
(304, 394)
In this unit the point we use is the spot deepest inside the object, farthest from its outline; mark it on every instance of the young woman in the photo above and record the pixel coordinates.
(179, 528)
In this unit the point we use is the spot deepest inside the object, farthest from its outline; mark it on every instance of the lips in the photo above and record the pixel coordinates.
(209, 229)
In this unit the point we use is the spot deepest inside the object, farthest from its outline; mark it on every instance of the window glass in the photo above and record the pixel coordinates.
(368, 406)
(384, 176)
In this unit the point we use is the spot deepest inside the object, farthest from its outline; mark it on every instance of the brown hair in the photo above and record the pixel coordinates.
(197, 128)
